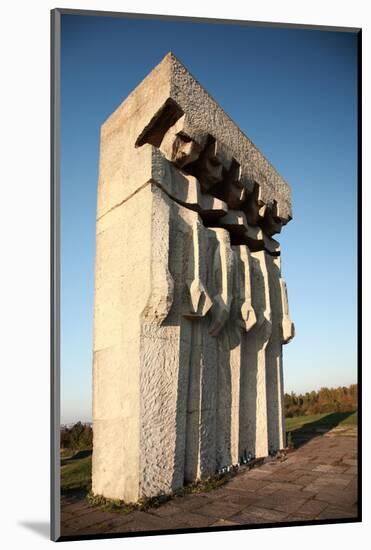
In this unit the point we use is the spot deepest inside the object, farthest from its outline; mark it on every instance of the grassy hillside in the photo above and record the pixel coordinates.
(76, 472)
(324, 420)
(301, 429)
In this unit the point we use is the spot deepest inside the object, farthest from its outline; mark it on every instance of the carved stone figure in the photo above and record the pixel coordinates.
(190, 308)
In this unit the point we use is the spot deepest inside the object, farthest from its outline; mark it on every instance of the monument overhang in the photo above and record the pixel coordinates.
(174, 113)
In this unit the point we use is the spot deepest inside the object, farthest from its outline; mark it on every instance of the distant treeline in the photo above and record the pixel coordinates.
(77, 438)
(325, 400)
(342, 399)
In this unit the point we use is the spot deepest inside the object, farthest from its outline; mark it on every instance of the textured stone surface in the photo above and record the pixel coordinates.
(282, 333)
(190, 309)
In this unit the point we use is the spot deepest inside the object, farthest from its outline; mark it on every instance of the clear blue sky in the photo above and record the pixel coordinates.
(293, 92)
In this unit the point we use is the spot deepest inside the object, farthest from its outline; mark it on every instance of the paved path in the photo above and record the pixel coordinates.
(318, 481)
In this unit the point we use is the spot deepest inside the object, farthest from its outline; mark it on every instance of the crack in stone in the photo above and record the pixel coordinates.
(126, 199)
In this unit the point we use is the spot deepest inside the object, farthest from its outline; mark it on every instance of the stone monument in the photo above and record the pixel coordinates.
(190, 308)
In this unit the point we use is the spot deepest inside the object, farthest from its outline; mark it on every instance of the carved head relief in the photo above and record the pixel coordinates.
(200, 167)
(253, 206)
(272, 222)
(209, 168)
(178, 147)
(197, 153)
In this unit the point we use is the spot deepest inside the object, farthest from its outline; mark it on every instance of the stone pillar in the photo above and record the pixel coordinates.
(255, 343)
(282, 333)
(190, 308)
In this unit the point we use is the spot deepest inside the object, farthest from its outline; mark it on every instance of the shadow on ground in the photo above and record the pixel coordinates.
(302, 435)
(76, 456)
(42, 528)
(75, 494)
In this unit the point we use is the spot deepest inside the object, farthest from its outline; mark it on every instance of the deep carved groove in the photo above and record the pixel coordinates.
(155, 130)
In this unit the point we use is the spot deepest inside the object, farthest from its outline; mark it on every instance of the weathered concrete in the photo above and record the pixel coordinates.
(190, 309)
